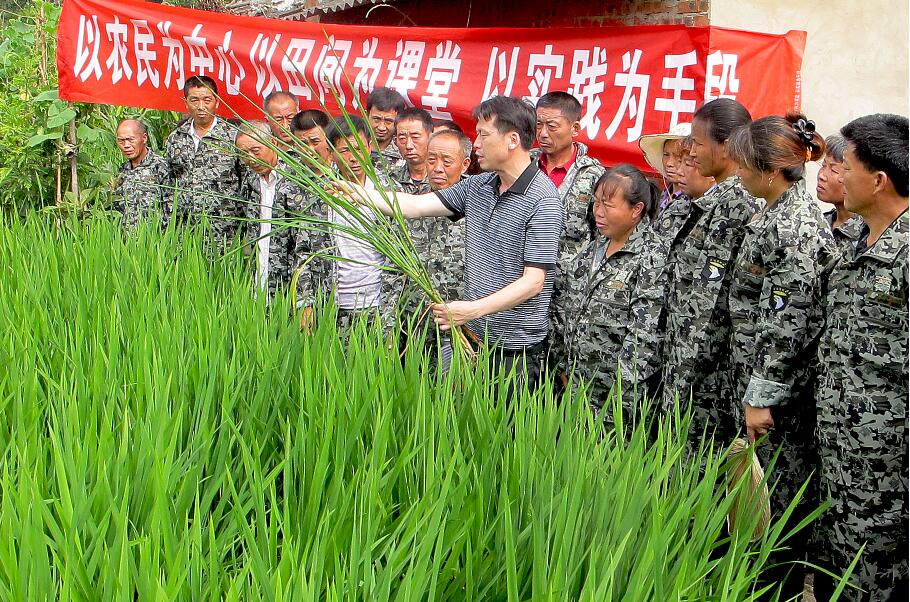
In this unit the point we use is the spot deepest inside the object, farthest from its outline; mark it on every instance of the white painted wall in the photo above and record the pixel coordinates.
(856, 60)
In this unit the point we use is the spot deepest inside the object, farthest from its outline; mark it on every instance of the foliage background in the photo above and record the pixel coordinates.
(35, 144)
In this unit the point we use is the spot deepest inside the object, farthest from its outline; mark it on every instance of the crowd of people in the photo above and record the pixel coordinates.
(721, 285)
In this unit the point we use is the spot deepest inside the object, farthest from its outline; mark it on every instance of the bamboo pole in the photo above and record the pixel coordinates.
(73, 156)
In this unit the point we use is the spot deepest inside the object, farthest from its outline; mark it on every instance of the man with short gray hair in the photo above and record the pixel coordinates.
(439, 241)
(144, 183)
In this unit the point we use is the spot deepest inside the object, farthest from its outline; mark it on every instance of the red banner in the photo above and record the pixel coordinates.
(630, 80)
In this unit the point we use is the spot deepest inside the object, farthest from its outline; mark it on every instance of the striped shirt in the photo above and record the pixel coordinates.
(503, 234)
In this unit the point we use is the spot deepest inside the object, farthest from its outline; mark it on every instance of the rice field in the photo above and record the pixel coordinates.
(164, 435)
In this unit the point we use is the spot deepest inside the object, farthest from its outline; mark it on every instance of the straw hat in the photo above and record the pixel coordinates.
(652, 145)
(752, 498)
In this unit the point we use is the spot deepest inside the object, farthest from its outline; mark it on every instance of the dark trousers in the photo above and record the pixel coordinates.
(528, 362)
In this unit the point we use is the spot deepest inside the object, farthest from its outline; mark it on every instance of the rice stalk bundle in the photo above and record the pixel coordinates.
(751, 498)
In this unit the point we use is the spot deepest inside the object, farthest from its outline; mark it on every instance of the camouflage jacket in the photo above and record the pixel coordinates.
(442, 250)
(438, 240)
(775, 299)
(313, 247)
(144, 190)
(388, 159)
(401, 174)
(288, 245)
(861, 404)
(848, 233)
(208, 179)
(666, 198)
(671, 219)
(862, 387)
(440, 244)
(641, 358)
(696, 325)
(591, 310)
(576, 192)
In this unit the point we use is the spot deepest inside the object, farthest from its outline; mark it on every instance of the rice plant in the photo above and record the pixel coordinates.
(166, 435)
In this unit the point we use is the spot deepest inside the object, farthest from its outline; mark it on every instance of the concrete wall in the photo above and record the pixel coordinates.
(856, 53)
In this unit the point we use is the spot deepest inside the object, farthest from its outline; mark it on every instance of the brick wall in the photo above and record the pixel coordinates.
(527, 13)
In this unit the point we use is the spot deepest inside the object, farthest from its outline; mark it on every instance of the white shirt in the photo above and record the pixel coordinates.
(267, 186)
(359, 277)
(196, 137)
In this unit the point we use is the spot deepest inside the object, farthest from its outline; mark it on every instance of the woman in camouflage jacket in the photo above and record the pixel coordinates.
(775, 308)
(591, 309)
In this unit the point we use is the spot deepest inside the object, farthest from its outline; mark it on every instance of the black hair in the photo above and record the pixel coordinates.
(880, 143)
(386, 99)
(309, 119)
(636, 188)
(447, 124)
(567, 104)
(344, 127)
(199, 81)
(279, 94)
(510, 115)
(415, 114)
(722, 117)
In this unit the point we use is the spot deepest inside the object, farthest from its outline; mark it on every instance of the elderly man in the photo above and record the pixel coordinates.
(281, 107)
(513, 225)
(845, 224)
(861, 396)
(567, 164)
(143, 185)
(269, 198)
(204, 164)
(383, 105)
(448, 159)
(440, 241)
(413, 128)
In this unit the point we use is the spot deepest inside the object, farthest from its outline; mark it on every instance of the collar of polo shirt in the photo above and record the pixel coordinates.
(519, 186)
